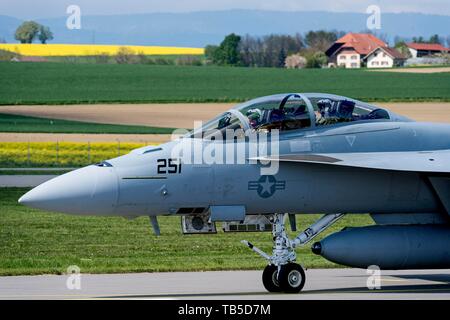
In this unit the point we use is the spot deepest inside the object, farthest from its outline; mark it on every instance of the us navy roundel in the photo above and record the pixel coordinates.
(266, 186)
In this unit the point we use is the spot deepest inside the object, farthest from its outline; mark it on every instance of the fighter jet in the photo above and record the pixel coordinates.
(258, 165)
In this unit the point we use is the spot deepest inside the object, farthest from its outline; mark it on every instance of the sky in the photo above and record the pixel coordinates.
(35, 9)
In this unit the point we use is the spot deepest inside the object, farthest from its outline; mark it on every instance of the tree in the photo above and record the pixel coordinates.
(45, 34)
(281, 58)
(316, 60)
(401, 46)
(268, 51)
(27, 32)
(321, 58)
(228, 50)
(211, 53)
(227, 53)
(434, 39)
(295, 61)
(125, 55)
(320, 40)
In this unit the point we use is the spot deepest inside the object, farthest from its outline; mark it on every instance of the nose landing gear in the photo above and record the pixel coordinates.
(283, 274)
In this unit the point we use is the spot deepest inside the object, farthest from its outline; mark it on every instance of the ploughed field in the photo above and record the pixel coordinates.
(37, 242)
(155, 117)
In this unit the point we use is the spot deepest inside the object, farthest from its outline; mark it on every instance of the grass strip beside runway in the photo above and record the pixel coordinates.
(37, 242)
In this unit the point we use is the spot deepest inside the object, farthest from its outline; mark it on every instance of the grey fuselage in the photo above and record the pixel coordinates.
(130, 185)
(308, 188)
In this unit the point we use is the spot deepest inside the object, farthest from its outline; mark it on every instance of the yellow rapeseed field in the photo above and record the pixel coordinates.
(91, 50)
(62, 154)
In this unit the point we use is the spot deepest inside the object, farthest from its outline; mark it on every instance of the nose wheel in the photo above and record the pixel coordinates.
(270, 278)
(289, 279)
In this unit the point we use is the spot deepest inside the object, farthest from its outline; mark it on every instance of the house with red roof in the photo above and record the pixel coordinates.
(349, 50)
(352, 50)
(418, 50)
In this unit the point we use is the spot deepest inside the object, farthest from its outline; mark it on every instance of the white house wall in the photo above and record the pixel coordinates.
(348, 60)
(381, 60)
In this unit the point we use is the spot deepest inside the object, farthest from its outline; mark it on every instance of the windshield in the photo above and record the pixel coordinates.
(286, 112)
(224, 127)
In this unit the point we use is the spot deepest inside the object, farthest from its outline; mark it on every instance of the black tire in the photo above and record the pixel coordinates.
(291, 278)
(269, 278)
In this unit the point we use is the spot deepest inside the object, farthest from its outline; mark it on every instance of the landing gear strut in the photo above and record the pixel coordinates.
(283, 274)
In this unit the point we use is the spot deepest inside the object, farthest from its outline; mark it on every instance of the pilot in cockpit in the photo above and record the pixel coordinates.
(254, 118)
(330, 112)
(266, 120)
(324, 111)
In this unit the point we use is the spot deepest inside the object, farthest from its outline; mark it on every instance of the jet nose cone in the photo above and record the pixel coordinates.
(25, 199)
(89, 190)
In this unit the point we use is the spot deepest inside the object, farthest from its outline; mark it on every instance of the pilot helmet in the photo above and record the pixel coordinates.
(254, 117)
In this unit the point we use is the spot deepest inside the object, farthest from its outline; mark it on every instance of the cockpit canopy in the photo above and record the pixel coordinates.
(287, 112)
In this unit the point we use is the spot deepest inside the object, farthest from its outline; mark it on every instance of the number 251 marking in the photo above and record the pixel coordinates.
(168, 166)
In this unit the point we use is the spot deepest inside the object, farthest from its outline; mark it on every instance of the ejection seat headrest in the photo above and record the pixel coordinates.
(345, 109)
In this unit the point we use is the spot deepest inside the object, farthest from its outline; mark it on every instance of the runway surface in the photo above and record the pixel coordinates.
(24, 180)
(320, 284)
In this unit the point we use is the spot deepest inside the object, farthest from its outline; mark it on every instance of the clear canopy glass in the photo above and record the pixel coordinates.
(287, 112)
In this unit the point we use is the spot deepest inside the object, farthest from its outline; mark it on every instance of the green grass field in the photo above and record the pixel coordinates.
(65, 83)
(17, 123)
(36, 242)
